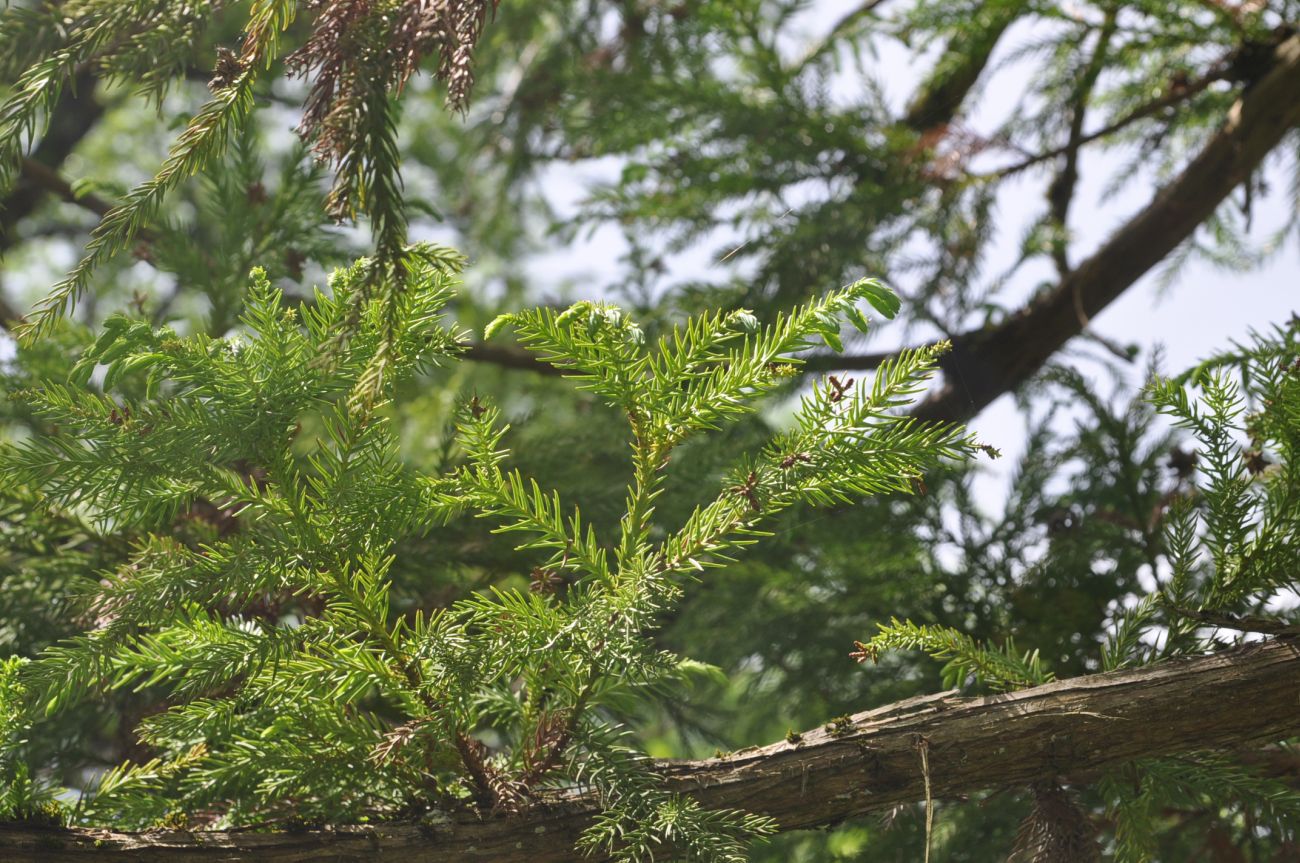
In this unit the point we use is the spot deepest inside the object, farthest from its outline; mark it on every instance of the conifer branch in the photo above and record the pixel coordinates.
(204, 138)
(1061, 731)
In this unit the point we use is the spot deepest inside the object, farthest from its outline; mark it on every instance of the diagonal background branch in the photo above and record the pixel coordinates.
(940, 98)
(74, 115)
(1071, 728)
(986, 363)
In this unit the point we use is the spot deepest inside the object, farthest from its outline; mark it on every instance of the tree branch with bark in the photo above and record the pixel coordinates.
(1065, 731)
(988, 362)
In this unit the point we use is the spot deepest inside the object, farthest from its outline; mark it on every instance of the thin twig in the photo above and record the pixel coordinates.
(1060, 193)
(923, 747)
(513, 358)
(1174, 96)
(509, 358)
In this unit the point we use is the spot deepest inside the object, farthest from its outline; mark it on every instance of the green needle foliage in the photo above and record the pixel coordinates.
(358, 54)
(1230, 544)
(277, 558)
(967, 659)
(286, 682)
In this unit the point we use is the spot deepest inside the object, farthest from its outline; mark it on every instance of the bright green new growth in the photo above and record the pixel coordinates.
(295, 687)
(967, 659)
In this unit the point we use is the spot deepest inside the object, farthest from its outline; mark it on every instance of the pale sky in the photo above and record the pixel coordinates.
(1202, 311)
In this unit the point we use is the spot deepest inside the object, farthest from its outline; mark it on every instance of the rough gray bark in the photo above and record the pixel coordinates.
(1071, 728)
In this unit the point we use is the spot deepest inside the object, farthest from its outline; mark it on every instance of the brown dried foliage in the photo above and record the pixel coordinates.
(550, 739)
(493, 791)
(358, 45)
(397, 739)
(453, 28)
(1056, 830)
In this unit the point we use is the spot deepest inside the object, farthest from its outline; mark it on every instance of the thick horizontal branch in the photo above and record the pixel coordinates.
(1071, 728)
(986, 363)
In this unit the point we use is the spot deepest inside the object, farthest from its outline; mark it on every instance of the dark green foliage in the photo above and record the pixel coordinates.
(1228, 543)
(361, 55)
(279, 557)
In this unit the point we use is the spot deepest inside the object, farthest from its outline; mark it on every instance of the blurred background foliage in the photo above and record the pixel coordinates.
(748, 153)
